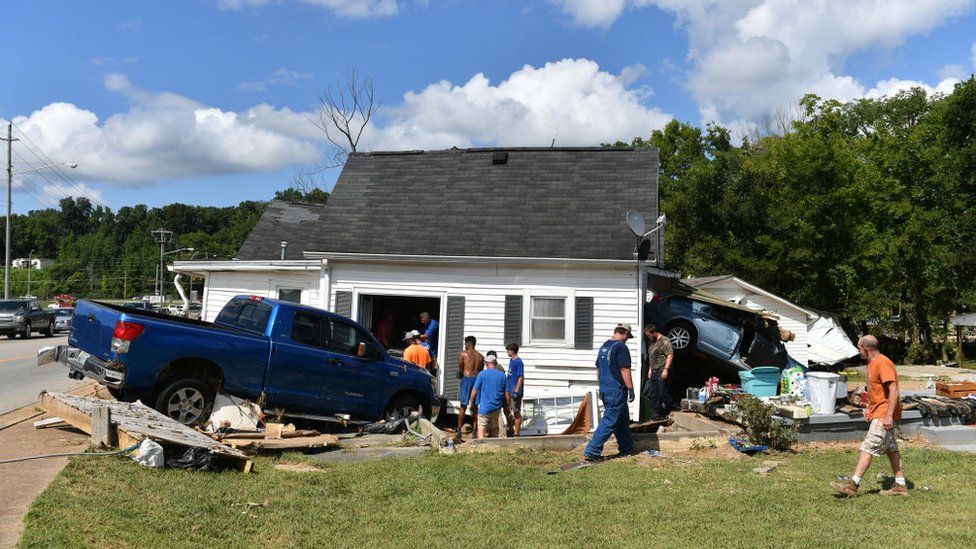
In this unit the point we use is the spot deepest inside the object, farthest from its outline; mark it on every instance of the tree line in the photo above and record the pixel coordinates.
(865, 208)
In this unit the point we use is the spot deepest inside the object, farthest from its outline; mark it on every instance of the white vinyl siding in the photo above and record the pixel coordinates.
(222, 286)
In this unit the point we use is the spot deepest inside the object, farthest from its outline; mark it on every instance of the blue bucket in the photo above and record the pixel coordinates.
(760, 382)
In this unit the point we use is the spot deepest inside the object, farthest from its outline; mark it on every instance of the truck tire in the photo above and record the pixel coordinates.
(402, 406)
(26, 334)
(49, 331)
(187, 400)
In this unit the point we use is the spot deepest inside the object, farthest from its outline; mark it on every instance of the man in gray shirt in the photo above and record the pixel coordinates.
(660, 354)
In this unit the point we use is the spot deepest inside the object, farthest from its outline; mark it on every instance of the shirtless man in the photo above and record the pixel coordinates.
(470, 363)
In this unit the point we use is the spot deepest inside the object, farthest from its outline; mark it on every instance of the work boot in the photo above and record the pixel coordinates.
(896, 490)
(847, 488)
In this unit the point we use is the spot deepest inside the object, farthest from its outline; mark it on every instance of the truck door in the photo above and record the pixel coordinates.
(300, 364)
(361, 384)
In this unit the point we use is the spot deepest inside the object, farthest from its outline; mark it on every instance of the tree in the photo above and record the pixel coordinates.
(345, 109)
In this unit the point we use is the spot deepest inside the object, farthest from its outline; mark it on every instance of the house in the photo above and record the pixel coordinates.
(818, 335)
(36, 263)
(526, 245)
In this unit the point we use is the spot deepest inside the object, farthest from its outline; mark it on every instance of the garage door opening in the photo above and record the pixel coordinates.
(403, 313)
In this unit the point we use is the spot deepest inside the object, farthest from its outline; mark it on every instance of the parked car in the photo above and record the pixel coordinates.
(305, 361)
(141, 305)
(24, 316)
(62, 318)
(740, 337)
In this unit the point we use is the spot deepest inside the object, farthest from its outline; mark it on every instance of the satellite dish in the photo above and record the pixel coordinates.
(636, 223)
(662, 220)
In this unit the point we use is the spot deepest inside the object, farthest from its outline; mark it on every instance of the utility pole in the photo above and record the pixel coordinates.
(10, 183)
(162, 236)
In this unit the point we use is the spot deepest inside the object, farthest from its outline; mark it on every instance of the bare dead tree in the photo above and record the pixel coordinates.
(345, 109)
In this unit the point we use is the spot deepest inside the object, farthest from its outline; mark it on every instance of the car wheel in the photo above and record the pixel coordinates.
(401, 407)
(187, 400)
(49, 331)
(27, 330)
(682, 334)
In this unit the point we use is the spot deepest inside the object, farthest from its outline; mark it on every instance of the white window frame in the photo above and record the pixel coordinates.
(279, 287)
(569, 312)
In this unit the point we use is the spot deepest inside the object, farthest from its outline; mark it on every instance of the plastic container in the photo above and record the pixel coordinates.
(841, 387)
(823, 391)
(760, 382)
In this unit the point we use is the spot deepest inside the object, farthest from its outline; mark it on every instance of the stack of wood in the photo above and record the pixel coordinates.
(277, 437)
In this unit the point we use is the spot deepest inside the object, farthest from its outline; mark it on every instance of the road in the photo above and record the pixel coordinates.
(21, 379)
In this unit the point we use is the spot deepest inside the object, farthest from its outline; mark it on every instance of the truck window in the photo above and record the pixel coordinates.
(246, 314)
(306, 329)
(344, 338)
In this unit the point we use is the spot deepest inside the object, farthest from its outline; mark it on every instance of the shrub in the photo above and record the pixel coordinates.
(761, 427)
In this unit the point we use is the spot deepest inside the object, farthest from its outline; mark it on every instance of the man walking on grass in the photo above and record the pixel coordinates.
(616, 390)
(883, 411)
(489, 395)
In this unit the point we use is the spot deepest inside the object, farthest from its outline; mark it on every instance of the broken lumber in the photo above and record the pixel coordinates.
(134, 421)
(279, 444)
(48, 422)
(581, 423)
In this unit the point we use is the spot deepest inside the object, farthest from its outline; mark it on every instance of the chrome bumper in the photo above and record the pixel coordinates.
(81, 364)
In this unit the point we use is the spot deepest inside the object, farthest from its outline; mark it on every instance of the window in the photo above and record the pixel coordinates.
(291, 295)
(246, 314)
(306, 329)
(548, 319)
(344, 338)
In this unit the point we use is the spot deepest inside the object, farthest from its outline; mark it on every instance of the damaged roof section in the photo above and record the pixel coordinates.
(519, 202)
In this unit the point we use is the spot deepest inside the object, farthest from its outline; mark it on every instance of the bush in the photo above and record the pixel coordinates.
(761, 428)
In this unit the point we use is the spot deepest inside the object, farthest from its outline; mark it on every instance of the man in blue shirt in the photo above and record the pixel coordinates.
(489, 394)
(428, 336)
(514, 388)
(616, 390)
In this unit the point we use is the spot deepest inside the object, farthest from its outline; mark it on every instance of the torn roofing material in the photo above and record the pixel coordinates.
(541, 202)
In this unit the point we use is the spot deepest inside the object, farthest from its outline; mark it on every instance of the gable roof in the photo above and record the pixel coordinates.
(703, 282)
(542, 202)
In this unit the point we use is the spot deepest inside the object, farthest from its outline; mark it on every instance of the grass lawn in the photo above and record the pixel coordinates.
(508, 499)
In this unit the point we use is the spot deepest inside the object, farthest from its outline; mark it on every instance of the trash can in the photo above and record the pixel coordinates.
(760, 382)
(823, 391)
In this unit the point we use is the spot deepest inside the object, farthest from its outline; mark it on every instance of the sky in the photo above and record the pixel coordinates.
(209, 101)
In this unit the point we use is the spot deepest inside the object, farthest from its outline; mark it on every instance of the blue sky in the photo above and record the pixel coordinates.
(207, 102)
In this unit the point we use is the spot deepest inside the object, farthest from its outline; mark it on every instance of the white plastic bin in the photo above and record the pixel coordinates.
(823, 391)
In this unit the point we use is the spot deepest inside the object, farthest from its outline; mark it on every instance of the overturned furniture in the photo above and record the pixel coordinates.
(126, 423)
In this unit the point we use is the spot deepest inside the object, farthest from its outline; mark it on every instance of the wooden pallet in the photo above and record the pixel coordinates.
(955, 389)
(133, 422)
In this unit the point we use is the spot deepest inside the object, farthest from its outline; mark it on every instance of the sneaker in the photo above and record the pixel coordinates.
(896, 490)
(846, 488)
(592, 459)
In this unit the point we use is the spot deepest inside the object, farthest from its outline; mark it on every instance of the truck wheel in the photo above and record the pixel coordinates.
(27, 330)
(187, 400)
(401, 407)
(49, 331)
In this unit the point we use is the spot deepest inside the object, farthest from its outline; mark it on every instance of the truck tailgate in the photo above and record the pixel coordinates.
(92, 328)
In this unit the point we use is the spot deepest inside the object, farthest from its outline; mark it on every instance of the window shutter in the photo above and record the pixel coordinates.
(343, 304)
(454, 344)
(584, 323)
(513, 319)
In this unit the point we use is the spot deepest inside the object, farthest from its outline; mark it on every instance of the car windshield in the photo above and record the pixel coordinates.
(64, 312)
(135, 305)
(9, 306)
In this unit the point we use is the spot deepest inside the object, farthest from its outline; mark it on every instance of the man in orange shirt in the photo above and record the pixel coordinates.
(416, 352)
(883, 411)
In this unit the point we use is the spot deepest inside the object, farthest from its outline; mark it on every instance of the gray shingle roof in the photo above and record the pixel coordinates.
(552, 202)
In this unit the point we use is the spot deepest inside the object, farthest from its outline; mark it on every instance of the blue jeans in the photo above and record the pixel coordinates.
(615, 421)
(660, 396)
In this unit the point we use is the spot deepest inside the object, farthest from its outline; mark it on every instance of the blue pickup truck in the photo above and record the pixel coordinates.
(305, 361)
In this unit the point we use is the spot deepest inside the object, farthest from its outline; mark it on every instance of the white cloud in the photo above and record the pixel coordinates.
(165, 135)
(592, 13)
(52, 193)
(131, 26)
(753, 57)
(952, 71)
(973, 52)
(354, 9)
(892, 86)
(280, 77)
(571, 100)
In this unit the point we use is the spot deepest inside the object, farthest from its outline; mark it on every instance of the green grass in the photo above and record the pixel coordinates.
(506, 500)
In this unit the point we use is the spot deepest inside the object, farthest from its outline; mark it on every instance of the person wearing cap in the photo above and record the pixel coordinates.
(489, 394)
(416, 352)
(616, 391)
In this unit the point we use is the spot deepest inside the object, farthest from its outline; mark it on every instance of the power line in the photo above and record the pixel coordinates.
(40, 174)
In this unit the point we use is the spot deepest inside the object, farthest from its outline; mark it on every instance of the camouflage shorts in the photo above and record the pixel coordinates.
(878, 441)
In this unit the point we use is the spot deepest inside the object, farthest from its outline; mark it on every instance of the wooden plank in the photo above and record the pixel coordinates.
(103, 434)
(48, 422)
(295, 443)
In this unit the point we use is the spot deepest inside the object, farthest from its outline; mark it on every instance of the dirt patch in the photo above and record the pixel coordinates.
(298, 467)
